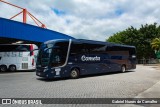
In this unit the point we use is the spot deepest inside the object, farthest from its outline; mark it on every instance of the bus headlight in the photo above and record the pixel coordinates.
(45, 70)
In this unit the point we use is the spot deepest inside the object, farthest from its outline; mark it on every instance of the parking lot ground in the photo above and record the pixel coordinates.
(140, 83)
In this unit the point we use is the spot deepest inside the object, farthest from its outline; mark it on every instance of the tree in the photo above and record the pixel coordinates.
(140, 38)
(156, 44)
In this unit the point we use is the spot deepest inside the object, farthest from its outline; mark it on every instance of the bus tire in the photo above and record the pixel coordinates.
(74, 74)
(3, 68)
(123, 68)
(12, 68)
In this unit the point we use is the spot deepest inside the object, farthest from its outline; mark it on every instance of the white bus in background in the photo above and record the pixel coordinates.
(18, 57)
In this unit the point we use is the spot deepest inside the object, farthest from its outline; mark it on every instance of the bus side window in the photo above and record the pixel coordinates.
(77, 48)
(22, 48)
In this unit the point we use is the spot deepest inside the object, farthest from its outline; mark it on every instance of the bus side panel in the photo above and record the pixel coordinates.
(96, 67)
(11, 58)
(90, 67)
(116, 65)
(19, 55)
(117, 59)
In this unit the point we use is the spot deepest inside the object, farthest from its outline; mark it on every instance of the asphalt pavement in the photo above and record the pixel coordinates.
(144, 82)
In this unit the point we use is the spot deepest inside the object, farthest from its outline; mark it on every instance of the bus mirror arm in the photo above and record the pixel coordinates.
(47, 49)
(51, 48)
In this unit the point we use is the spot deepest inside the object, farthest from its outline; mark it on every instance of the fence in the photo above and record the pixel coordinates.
(148, 61)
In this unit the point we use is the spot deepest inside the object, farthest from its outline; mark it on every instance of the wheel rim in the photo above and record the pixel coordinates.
(74, 73)
(123, 69)
(3, 69)
(12, 68)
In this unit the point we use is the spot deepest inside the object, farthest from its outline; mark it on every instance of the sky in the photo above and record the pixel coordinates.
(87, 19)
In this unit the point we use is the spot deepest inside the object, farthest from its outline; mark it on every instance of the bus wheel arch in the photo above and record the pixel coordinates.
(3, 68)
(123, 68)
(75, 72)
(12, 68)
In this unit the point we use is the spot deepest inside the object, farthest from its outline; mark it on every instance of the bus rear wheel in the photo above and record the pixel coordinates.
(74, 73)
(123, 68)
(12, 68)
(3, 68)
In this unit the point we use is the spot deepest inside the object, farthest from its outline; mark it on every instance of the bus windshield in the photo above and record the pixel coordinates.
(14, 48)
(44, 54)
(53, 55)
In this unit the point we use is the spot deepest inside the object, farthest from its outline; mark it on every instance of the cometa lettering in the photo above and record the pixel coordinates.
(84, 58)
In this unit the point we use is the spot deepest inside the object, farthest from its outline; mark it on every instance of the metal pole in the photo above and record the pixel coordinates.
(24, 15)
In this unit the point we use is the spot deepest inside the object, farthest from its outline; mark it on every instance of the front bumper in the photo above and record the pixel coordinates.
(40, 74)
(45, 73)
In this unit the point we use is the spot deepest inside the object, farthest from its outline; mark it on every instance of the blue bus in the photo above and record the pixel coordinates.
(76, 57)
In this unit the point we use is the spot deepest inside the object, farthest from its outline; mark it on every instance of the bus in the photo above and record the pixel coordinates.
(17, 57)
(76, 57)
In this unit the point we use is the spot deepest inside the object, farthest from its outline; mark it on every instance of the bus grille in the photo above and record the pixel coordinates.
(24, 65)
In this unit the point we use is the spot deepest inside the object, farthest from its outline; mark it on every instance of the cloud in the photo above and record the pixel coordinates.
(88, 19)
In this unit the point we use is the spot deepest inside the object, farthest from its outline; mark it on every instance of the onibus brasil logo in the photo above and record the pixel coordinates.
(21, 101)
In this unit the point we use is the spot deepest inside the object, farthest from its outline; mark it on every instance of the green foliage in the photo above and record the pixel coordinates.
(140, 38)
(156, 44)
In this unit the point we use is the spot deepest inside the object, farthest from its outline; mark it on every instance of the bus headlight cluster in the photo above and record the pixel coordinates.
(45, 70)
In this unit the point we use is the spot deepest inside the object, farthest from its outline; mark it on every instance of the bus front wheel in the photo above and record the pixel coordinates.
(3, 68)
(12, 68)
(74, 73)
(123, 68)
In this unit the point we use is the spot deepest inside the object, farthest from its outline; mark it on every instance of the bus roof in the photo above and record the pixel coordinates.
(17, 44)
(90, 41)
(107, 43)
